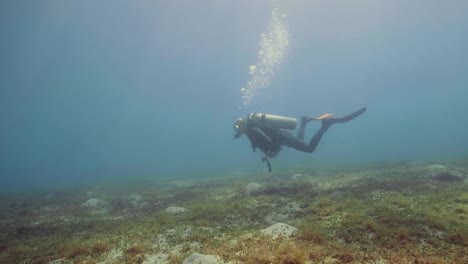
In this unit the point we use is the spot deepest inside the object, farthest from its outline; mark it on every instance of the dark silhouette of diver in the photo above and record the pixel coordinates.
(270, 132)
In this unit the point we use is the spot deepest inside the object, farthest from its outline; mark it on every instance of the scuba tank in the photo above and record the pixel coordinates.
(272, 120)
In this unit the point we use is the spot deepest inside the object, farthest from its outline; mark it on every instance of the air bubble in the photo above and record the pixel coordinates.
(272, 44)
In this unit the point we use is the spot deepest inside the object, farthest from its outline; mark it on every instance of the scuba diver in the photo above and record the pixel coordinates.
(270, 132)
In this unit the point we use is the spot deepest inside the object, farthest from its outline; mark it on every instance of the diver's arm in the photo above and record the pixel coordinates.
(254, 147)
(260, 133)
(255, 135)
(265, 158)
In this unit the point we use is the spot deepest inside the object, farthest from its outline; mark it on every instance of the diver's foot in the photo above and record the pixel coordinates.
(328, 122)
(318, 118)
(305, 120)
(323, 117)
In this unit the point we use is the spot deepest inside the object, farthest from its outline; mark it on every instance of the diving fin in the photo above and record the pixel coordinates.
(350, 117)
(330, 121)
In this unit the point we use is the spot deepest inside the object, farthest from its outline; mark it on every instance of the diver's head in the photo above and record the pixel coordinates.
(239, 127)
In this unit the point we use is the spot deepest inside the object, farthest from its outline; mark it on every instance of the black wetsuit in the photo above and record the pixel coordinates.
(270, 139)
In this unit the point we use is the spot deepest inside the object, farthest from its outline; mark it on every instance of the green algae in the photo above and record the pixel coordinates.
(392, 213)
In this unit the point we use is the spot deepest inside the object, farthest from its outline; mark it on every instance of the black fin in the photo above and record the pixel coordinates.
(349, 117)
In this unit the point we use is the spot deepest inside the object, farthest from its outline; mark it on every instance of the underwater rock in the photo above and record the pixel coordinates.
(279, 229)
(447, 176)
(93, 203)
(197, 258)
(436, 167)
(298, 176)
(253, 188)
(175, 210)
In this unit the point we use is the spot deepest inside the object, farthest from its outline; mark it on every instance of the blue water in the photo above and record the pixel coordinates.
(92, 90)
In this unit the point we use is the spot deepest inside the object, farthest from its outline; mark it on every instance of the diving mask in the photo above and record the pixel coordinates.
(239, 127)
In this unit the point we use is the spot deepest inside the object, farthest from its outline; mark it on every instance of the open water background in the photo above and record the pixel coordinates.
(97, 90)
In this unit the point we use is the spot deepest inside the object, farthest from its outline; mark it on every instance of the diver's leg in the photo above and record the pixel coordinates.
(305, 120)
(289, 140)
(301, 131)
(315, 140)
(298, 143)
(326, 123)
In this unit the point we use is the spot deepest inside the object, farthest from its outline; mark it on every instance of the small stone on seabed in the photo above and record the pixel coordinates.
(92, 203)
(279, 229)
(436, 167)
(197, 258)
(175, 210)
(298, 176)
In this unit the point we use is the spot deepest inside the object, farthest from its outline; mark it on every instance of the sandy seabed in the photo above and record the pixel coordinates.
(399, 212)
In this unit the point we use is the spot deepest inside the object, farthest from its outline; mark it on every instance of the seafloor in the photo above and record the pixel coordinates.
(402, 212)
